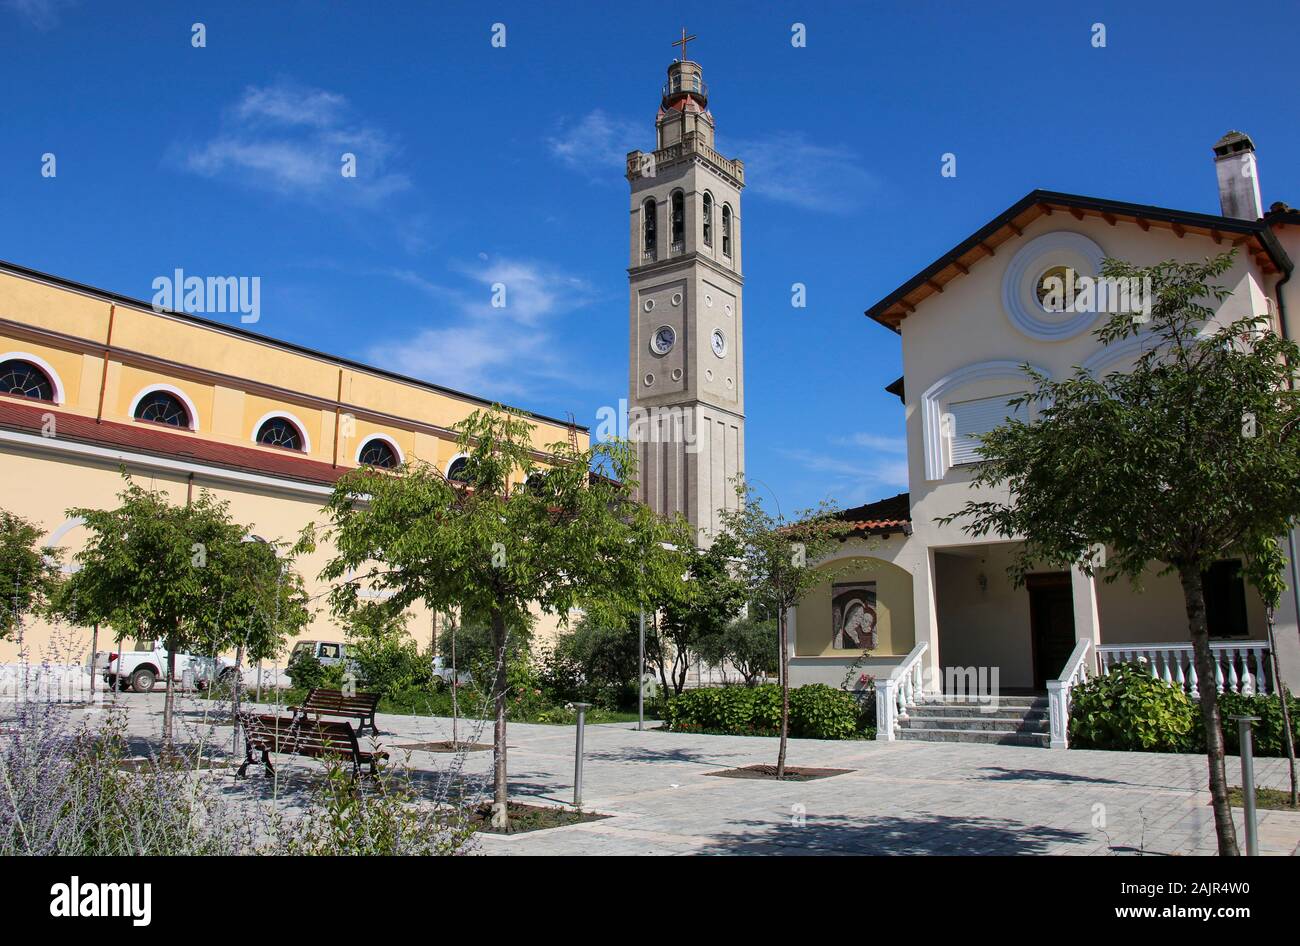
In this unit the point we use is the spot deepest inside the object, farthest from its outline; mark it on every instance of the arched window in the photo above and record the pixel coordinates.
(458, 471)
(159, 407)
(536, 483)
(25, 380)
(378, 452)
(726, 230)
(650, 226)
(678, 221)
(708, 219)
(280, 432)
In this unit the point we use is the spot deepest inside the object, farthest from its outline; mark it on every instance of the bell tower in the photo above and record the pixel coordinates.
(686, 357)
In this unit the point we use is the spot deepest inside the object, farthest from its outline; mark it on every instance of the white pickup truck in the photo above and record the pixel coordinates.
(141, 670)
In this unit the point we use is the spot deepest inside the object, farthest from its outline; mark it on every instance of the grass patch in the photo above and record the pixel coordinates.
(1264, 798)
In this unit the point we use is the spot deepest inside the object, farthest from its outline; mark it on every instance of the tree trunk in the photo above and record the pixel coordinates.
(785, 696)
(1194, 598)
(455, 691)
(169, 693)
(94, 648)
(1282, 696)
(501, 789)
(234, 712)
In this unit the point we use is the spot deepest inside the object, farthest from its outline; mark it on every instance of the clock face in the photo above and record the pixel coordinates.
(661, 343)
(719, 343)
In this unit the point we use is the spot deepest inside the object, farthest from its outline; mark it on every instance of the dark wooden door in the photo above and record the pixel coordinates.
(1051, 621)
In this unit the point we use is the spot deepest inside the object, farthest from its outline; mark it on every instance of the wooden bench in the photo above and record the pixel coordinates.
(325, 702)
(297, 735)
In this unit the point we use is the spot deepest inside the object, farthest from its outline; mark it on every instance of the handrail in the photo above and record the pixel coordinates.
(1073, 673)
(897, 692)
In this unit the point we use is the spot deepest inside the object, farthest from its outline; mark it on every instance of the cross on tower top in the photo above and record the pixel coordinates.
(682, 43)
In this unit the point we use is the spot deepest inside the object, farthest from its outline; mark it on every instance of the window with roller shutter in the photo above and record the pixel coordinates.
(975, 417)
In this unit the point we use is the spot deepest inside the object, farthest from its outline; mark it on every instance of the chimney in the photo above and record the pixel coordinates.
(1234, 163)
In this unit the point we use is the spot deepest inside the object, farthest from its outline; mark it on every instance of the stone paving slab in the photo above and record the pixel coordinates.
(899, 798)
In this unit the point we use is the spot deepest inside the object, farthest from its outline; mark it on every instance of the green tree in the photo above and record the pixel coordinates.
(1191, 457)
(29, 572)
(693, 612)
(155, 571)
(492, 545)
(774, 558)
(748, 643)
(262, 602)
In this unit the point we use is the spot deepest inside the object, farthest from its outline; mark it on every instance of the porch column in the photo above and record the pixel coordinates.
(926, 621)
(1087, 619)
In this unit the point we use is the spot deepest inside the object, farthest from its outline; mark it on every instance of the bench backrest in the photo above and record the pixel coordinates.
(321, 698)
(304, 736)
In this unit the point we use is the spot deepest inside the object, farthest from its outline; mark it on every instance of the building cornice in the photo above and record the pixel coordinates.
(103, 295)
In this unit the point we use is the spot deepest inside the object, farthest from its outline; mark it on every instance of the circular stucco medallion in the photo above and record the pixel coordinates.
(1051, 253)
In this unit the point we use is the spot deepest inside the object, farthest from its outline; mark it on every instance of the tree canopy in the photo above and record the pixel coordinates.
(1189, 457)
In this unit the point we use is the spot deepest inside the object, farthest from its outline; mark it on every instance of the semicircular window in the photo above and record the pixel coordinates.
(25, 380)
(459, 470)
(159, 407)
(280, 432)
(377, 452)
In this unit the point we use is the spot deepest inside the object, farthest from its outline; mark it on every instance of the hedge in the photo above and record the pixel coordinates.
(816, 712)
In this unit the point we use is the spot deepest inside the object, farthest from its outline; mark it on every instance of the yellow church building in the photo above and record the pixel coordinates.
(92, 383)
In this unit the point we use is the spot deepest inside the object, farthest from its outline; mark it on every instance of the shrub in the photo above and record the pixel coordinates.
(306, 671)
(1268, 732)
(593, 663)
(386, 819)
(386, 659)
(820, 712)
(77, 787)
(1130, 710)
(389, 665)
(816, 711)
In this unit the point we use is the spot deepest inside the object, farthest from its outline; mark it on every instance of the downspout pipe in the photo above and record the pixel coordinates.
(1290, 533)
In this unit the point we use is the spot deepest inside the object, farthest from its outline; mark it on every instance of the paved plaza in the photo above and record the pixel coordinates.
(898, 798)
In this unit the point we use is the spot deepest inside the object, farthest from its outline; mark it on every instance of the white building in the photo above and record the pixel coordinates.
(945, 616)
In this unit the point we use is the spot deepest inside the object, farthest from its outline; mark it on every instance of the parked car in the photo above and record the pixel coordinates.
(329, 653)
(141, 670)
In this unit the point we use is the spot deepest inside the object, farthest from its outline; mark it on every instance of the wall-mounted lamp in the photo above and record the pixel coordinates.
(983, 581)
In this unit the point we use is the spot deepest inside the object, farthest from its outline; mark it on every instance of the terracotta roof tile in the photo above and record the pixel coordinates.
(29, 417)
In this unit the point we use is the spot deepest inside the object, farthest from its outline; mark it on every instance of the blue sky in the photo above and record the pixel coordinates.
(479, 165)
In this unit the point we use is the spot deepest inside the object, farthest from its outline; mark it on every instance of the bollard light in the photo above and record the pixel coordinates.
(1248, 781)
(577, 754)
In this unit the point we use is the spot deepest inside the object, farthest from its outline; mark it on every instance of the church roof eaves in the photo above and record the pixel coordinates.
(128, 301)
(893, 308)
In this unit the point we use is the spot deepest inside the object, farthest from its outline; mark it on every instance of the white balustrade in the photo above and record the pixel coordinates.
(1073, 673)
(899, 691)
(1239, 666)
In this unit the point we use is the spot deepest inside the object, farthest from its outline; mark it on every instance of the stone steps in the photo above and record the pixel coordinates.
(1010, 721)
(951, 711)
(974, 723)
(984, 736)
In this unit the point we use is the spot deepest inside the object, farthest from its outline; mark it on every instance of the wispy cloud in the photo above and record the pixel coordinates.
(42, 14)
(873, 442)
(786, 167)
(849, 478)
(291, 140)
(506, 352)
(596, 143)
